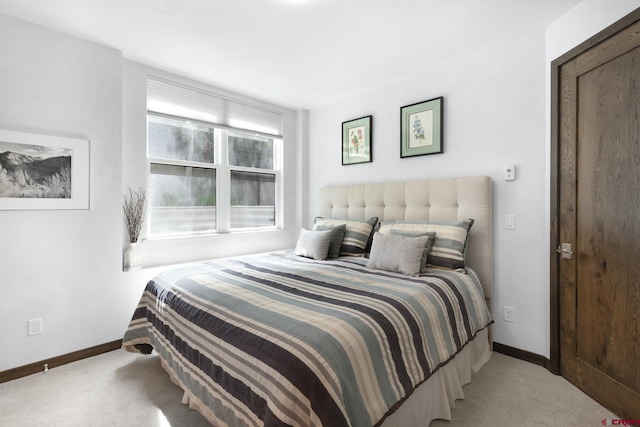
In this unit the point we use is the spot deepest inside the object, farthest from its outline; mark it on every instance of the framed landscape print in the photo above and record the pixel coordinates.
(43, 172)
(356, 141)
(421, 128)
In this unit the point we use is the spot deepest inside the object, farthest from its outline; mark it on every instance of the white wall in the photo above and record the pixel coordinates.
(583, 21)
(493, 115)
(63, 266)
(496, 111)
(66, 266)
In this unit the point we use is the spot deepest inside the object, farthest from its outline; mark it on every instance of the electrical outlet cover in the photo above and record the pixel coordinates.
(35, 326)
(508, 314)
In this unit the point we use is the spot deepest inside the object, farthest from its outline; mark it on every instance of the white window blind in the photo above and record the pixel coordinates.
(173, 99)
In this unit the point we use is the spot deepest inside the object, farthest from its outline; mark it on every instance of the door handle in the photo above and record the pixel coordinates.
(565, 250)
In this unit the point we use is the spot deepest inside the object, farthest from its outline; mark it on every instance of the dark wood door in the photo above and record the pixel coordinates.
(599, 214)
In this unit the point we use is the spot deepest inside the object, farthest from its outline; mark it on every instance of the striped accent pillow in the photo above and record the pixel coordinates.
(449, 245)
(357, 235)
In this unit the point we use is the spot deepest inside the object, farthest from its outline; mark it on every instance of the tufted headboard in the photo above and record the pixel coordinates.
(441, 200)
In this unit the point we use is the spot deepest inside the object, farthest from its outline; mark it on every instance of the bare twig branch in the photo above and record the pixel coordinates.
(134, 207)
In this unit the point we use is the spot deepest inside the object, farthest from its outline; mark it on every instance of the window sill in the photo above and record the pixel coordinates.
(212, 235)
(180, 249)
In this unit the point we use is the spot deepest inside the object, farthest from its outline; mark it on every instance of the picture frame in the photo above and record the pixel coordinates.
(356, 141)
(421, 128)
(43, 172)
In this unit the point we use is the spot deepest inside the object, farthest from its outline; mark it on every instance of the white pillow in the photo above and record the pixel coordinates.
(313, 244)
(394, 252)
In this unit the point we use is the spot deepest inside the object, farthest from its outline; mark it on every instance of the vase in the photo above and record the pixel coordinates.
(133, 257)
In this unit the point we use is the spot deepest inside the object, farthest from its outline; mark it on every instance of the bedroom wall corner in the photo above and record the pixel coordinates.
(303, 166)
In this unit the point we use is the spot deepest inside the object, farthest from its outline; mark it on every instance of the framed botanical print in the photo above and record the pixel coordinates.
(356, 141)
(421, 128)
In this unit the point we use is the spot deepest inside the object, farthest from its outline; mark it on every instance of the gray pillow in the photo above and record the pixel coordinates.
(313, 244)
(337, 235)
(397, 253)
(425, 254)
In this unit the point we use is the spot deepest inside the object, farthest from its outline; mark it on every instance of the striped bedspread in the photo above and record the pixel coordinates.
(280, 340)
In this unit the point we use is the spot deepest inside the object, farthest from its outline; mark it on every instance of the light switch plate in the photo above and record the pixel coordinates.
(509, 172)
(510, 222)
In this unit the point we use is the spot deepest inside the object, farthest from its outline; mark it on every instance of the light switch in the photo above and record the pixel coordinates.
(510, 172)
(510, 222)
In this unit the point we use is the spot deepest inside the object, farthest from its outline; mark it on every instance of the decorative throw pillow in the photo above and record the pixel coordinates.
(397, 253)
(425, 254)
(337, 236)
(313, 244)
(356, 236)
(449, 245)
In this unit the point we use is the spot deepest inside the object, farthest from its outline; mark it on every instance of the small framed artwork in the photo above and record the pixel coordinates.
(421, 128)
(43, 172)
(356, 141)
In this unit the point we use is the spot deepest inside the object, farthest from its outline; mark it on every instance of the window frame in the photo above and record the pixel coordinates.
(223, 177)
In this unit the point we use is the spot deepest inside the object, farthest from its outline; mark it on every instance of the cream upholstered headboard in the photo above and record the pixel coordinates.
(441, 200)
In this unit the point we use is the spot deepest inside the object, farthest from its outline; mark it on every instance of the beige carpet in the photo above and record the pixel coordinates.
(123, 389)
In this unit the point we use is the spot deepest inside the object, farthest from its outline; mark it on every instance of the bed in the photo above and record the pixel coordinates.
(282, 339)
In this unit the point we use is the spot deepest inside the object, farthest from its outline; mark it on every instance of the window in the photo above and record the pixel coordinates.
(205, 177)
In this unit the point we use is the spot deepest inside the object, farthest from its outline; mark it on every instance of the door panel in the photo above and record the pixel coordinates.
(608, 233)
(600, 215)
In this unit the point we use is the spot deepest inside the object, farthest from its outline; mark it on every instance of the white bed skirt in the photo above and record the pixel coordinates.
(435, 397)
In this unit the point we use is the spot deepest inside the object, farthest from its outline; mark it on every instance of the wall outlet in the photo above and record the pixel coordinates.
(508, 314)
(35, 326)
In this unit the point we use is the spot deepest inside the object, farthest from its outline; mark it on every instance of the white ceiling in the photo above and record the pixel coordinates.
(297, 53)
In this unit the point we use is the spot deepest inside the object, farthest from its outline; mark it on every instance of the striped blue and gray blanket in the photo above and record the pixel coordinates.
(280, 340)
